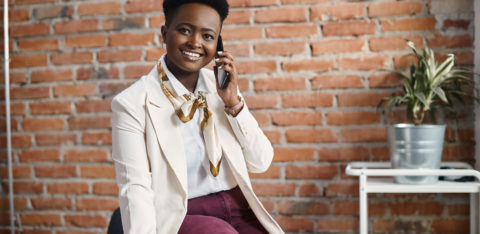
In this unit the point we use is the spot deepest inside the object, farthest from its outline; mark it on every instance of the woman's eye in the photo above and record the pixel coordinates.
(208, 37)
(184, 31)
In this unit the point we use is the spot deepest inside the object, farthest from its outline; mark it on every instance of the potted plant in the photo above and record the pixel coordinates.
(429, 86)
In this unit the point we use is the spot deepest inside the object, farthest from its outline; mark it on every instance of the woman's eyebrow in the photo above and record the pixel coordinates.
(193, 26)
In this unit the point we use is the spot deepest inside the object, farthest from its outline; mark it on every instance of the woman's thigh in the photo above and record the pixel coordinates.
(200, 224)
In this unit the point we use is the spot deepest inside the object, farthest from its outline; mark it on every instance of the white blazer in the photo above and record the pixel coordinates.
(150, 161)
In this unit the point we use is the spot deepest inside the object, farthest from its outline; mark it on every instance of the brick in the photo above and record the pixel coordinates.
(136, 71)
(264, 66)
(86, 155)
(29, 92)
(108, 90)
(296, 118)
(458, 41)
(76, 90)
(461, 58)
(291, 224)
(67, 58)
(50, 12)
(291, 30)
(286, 2)
(343, 154)
(352, 118)
(105, 188)
(268, 205)
(338, 225)
(124, 23)
(349, 28)
(238, 50)
(51, 108)
(97, 171)
(337, 12)
(48, 203)
(311, 172)
(16, 15)
(449, 7)
(280, 84)
(337, 81)
(17, 172)
(55, 139)
(252, 3)
(25, 187)
(76, 26)
(13, 125)
(458, 152)
(41, 219)
(360, 99)
(51, 75)
(303, 208)
(273, 136)
(28, 2)
(455, 24)
(97, 204)
(309, 190)
(138, 6)
(89, 122)
(261, 101)
(319, 65)
(15, 78)
(38, 44)
(15, 109)
(459, 209)
(273, 172)
(307, 100)
(364, 135)
(416, 208)
(410, 24)
(279, 48)
(380, 9)
(338, 46)
(365, 63)
(311, 135)
(42, 124)
(341, 190)
(90, 41)
(466, 135)
(28, 30)
(39, 155)
(93, 106)
(18, 203)
(394, 43)
(68, 188)
(262, 118)
(272, 189)
(130, 39)
(403, 61)
(157, 21)
(107, 56)
(238, 17)
(74, 232)
(18, 141)
(103, 8)
(27, 61)
(297, 14)
(97, 73)
(154, 54)
(242, 33)
(86, 220)
(243, 84)
(384, 80)
(97, 138)
(55, 171)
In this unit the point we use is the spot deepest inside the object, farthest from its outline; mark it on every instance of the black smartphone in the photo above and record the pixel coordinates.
(222, 76)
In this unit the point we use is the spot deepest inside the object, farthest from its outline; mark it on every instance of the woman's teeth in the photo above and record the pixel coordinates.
(191, 54)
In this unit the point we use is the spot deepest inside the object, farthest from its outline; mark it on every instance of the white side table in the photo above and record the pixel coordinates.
(364, 170)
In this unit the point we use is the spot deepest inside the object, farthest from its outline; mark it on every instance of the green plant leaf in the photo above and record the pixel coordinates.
(439, 91)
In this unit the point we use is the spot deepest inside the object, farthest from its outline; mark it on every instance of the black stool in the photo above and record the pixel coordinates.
(115, 225)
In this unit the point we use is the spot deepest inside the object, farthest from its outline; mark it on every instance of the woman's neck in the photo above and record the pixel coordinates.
(188, 79)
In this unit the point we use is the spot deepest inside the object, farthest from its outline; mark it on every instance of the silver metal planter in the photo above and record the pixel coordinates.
(413, 147)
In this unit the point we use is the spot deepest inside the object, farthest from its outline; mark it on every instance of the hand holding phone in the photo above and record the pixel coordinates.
(223, 76)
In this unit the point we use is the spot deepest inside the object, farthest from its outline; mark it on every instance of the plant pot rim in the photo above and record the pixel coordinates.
(409, 125)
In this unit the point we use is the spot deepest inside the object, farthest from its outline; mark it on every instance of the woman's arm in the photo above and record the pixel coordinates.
(131, 165)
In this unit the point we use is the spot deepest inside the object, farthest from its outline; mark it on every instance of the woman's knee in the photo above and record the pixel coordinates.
(200, 224)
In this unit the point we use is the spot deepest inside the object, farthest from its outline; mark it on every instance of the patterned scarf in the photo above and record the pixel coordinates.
(185, 107)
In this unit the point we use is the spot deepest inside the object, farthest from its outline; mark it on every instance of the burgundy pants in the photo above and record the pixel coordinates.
(224, 212)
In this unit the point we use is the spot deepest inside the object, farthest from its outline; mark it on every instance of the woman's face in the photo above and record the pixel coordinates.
(191, 37)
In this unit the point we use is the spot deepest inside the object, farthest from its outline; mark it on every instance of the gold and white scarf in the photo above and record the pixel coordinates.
(185, 107)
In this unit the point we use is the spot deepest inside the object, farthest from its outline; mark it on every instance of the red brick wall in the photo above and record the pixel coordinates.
(308, 71)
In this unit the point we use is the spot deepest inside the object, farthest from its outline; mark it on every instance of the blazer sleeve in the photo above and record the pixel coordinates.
(256, 147)
(132, 166)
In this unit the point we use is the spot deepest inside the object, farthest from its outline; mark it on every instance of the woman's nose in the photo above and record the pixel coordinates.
(195, 40)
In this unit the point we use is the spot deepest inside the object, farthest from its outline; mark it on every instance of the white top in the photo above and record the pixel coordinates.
(200, 181)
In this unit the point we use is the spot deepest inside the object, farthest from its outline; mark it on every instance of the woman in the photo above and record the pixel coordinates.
(182, 146)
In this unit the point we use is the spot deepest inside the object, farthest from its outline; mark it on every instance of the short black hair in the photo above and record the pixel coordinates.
(170, 7)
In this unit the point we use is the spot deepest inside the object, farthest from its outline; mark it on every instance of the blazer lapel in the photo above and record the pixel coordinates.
(168, 134)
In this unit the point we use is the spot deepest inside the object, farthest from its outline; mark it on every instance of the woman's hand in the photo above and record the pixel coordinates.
(228, 94)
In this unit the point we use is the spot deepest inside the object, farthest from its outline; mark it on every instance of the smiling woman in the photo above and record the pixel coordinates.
(182, 146)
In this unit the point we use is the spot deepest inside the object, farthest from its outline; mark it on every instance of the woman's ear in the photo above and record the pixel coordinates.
(163, 31)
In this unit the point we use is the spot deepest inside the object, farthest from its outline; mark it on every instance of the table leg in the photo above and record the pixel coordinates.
(474, 213)
(363, 205)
